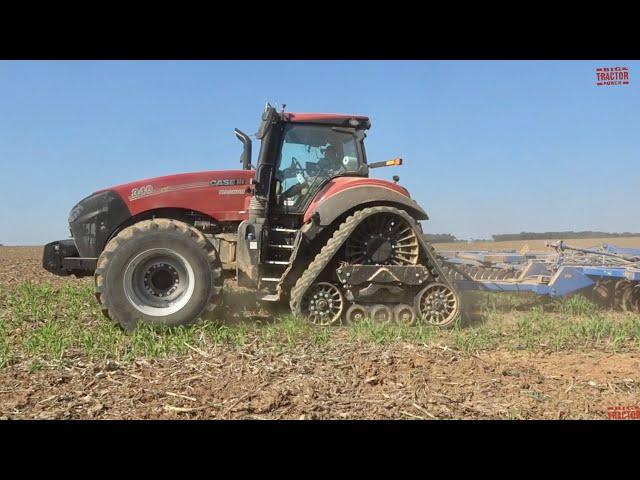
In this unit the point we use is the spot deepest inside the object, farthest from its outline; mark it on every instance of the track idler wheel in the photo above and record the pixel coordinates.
(437, 305)
(381, 314)
(356, 313)
(404, 314)
(323, 304)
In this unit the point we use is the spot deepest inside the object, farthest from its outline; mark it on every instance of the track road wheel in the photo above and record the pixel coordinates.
(323, 304)
(381, 314)
(158, 272)
(404, 314)
(356, 313)
(438, 305)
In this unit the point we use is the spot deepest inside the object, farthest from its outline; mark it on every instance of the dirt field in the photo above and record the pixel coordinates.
(59, 358)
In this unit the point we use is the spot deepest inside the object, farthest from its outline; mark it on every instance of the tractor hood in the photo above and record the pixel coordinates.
(219, 194)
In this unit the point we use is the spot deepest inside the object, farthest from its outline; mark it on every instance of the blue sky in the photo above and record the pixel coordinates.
(489, 147)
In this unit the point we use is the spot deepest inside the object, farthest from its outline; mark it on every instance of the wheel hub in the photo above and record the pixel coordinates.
(161, 279)
(383, 239)
(379, 249)
(321, 304)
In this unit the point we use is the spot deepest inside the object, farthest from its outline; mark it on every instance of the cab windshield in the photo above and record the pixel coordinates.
(311, 155)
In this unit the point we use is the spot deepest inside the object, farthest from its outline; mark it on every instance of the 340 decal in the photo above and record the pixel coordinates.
(141, 191)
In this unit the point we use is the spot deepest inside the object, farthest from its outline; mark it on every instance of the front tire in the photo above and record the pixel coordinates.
(159, 272)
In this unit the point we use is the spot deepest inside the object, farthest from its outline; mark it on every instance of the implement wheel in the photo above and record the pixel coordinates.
(631, 299)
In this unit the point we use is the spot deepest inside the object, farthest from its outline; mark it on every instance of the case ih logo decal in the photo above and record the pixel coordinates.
(612, 76)
(228, 182)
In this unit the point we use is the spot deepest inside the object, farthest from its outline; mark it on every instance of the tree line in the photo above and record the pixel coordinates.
(504, 237)
(559, 235)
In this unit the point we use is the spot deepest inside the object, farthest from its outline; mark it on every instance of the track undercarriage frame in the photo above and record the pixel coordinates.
(377, 265)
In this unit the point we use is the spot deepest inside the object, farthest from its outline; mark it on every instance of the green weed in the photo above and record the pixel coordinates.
(50, 324)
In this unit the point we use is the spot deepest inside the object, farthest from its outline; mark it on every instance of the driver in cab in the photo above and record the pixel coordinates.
(330, 162)
(326, 166)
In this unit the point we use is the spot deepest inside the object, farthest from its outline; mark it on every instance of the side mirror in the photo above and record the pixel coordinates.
(245, 158)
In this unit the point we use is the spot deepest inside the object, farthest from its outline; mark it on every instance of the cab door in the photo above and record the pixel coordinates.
(310, 156)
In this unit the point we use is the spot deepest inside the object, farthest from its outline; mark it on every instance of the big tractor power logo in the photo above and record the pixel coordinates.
(609, 76)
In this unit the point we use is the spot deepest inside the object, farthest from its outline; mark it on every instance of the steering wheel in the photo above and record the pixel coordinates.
(296, 163)
(292, 191)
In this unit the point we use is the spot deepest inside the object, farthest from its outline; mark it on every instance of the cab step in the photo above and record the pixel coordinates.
(269, 297)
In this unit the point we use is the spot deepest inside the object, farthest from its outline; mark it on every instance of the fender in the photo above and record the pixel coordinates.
(331, 207)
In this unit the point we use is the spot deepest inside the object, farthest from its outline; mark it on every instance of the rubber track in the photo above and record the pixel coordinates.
(330, 249)
(156, 225)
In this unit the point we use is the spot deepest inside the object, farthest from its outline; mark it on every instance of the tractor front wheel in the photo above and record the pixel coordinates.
(159, 272)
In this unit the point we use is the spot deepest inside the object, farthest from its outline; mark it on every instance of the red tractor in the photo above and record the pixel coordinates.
(307, 225)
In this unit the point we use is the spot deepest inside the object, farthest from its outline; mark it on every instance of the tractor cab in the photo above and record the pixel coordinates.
(300, 153)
